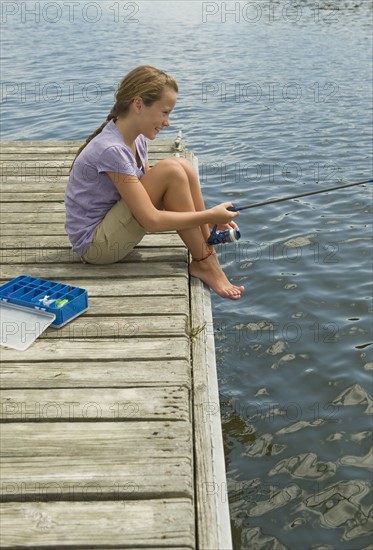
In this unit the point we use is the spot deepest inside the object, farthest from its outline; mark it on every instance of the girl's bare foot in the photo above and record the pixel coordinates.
(211, 273)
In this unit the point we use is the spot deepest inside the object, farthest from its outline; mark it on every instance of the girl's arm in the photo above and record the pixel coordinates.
(153, 220)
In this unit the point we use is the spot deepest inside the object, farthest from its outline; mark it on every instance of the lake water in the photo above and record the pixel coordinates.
(275, 99)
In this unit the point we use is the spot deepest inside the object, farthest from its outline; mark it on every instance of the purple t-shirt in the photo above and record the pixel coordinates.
(90, 192)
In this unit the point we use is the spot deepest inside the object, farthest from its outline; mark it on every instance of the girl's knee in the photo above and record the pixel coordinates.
(188, 167)
(172, 168)
(184, 163)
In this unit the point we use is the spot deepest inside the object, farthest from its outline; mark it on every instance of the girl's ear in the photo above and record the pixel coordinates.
(137, 103)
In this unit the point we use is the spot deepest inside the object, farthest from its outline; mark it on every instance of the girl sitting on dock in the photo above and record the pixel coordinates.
(113, 197)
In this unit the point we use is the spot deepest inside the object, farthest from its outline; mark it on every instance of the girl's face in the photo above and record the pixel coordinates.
(157, 116)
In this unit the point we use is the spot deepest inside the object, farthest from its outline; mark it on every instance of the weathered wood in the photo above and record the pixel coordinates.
(97, 419)
(74, 143)
(204, 473)
(95, 374)
(102, 349)
(46, 255)
(137, 459)
(9, 218)
(89, 322)
(31, 217)
(211, 501)
(94, 404)
(63, 159)
(151, 286)
(53, 235)
(15, 186)
(46, 169)
(80, 525)
(120, 327)
(38, 207)
(144, 305)
(55, 271)
(15, 175)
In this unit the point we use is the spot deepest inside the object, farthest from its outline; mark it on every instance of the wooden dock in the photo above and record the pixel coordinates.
(110, 426)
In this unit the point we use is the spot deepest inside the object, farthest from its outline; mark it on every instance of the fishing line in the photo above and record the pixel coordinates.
(230, 235)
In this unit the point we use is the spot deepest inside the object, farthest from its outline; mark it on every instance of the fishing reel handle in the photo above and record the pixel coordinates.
(221, 237)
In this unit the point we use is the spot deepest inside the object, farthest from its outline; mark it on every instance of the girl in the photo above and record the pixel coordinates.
(113, 198)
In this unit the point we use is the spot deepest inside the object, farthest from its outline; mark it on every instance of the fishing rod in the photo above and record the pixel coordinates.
(230, 235)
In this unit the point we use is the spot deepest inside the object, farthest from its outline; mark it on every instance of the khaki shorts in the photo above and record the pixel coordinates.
(115, 237)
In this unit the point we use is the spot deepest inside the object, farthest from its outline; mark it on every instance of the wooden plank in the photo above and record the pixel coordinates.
(46, 255)
(143, 305)
(60, 157)
(103, 349)
(102, 478)
(34, 229)
(213, 524)
(39, 207)
(207, 532)
(38, 172)
(49, 177)
(32, 144)
(150, 286)
(15, 175)
(166, 286)
(30, 217)
(54, 373)
(67, 404)
(19, 144)
(117, 308)
(28, 196)
(152, 458)
(53, 167)
(16, 185)
(67, 148)
(98, 525)
(79, 271)
(102, 440)
(119, 327)
(61, 152)
(53, 240)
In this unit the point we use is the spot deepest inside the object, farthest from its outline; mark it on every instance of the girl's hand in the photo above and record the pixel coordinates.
(220, 214)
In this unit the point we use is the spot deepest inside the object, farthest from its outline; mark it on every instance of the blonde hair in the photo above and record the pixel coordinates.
(145, 81)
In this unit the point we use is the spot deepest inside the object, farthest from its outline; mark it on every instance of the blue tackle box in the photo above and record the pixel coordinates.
(29, 305)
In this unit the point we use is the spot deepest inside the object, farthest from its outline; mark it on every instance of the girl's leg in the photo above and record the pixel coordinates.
(169, 187)
(195, 190)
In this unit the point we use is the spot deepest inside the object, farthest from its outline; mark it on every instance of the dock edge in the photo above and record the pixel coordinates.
(212, 507)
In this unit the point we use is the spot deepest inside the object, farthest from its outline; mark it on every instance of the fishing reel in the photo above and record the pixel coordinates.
(221, 237)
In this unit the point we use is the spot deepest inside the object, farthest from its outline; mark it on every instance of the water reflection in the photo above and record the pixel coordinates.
(254, 538)
(340, 506)
(358, 461)
(355, 395)
(306, 466)
(263, 446)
